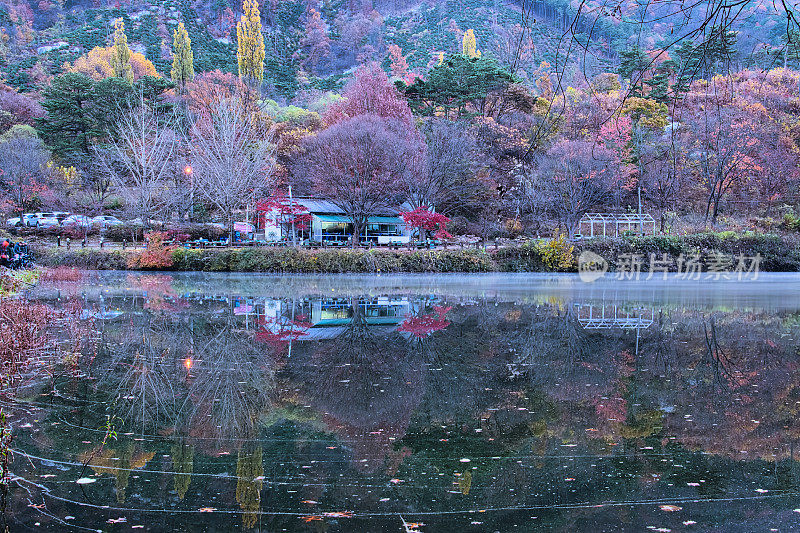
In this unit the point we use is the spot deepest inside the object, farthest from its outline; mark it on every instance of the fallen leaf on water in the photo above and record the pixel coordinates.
(120, 520)
(338, 514)
(310, 518)
(689, 522)
(36, 505)
(207, 509)
(310, 502)
(85, 480)
(761, 491)
(670, 508)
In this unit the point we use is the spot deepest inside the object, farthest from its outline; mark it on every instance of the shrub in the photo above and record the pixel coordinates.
(557, 254)
(81, 258)
(126, 232)
(156, 256)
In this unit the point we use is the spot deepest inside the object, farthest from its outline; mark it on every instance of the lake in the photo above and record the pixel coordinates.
(398, 403)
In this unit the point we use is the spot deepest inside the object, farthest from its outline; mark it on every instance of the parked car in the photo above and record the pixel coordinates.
(42, 220)
(17, 221)
(81, 221)
(61, 215)
(106, 220)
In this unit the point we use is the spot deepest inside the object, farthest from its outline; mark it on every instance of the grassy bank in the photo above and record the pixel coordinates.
(777, 253)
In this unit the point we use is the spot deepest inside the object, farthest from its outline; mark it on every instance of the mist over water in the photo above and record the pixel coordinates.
(203, 402)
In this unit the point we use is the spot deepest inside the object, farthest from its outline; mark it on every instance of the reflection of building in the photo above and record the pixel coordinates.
(329, 224)
(610, 316)
(326, 318)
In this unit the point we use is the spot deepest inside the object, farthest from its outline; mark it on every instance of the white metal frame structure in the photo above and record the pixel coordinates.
(612, 223)
(610, 316)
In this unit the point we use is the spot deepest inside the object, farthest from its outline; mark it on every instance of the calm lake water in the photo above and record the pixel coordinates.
(201, 402)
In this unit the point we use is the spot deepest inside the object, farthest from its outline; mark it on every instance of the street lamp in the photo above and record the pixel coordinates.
(189, 172)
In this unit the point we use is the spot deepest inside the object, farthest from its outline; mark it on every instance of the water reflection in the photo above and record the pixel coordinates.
(307, 405)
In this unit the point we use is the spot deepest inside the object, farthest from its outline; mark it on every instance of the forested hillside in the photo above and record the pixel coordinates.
(508, 117)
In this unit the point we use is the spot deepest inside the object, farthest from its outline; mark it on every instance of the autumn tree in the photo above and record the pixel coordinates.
(208, 89)
(469, 45)
(182, 57)
(99, 62)
(360, 164)
(120, 59)
(21, 108)
(369, 92)
(397, 62)
(233, 158)
(250, 51)
(724, 139)
(315, 42)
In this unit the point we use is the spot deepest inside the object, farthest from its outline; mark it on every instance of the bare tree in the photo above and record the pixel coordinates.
(140, 160)
(573, 178)
(448, 182)
(22, 160)
(662, 179)
(361, 165)
(233, 158)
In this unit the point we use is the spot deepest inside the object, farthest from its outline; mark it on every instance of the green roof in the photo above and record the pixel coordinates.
(370, 220)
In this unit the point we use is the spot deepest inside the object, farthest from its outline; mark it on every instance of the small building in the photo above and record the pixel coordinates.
(307, 219)
(615, 225)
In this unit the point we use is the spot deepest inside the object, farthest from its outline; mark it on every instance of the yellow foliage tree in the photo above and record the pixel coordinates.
(97, 64)
(120, 59)
(250, 474)
(250, 53)
(182, 57)
(469, 45)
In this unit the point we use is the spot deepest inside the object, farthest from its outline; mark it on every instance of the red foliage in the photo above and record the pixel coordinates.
(425, 325)
(424, 220)
(209, 88)
(288, 211)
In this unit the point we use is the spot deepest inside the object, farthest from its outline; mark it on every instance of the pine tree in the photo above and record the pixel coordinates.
(469, 45)
(182, 57)
(633, 66)
(121, 58)
(250, 52)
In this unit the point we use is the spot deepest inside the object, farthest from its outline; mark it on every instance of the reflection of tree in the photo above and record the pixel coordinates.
(367, 384)
(141, 372)
(119, 462)
(250, 476)
(230, 384)
(183, 466)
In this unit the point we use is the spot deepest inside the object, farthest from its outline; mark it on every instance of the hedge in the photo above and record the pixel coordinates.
(778, 254)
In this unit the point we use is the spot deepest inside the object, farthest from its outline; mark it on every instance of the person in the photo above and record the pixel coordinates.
(20, 256)
(6, 251)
